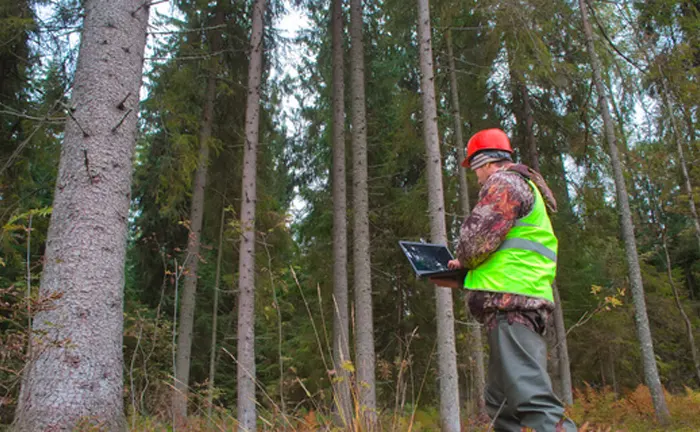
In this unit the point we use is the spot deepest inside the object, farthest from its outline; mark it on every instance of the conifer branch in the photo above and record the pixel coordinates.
(194, 30)
(607, 38)
(19, 148)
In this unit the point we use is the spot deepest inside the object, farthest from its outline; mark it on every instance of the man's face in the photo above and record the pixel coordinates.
(483, 173)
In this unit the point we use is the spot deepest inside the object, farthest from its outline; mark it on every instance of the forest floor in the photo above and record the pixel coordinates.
(593, 411)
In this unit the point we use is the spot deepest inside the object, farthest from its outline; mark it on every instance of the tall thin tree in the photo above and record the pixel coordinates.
(562, 348)
(215, 311)
(651, 372)
(76, 372)
(526, 118)
(246, 266)
(447, 356)
(677, 298)
(362, 272)
(681, 154)
(341, 345)
(189, 289)
(476, 345)
(660, 221)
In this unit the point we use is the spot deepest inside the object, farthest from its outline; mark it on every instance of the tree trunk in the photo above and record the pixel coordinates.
(189, 289)
(215, 312)
(561, 363)
(562, 349)
(677, 298)
(476, 348)
(341, 344)
(651, 373)
(459, 136)
(529, 133)
(553, 358)
(447, 357)
(519, 135)
(76, 373)
(613, 375)
(246, 266)
(681, 156)
(364, 328)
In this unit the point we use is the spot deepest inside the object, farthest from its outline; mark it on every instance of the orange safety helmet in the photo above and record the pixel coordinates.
(487, 139)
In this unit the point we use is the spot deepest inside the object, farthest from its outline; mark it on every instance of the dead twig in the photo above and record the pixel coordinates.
(126, 114)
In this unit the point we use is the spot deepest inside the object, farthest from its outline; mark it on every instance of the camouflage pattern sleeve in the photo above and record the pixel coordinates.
(504, 198)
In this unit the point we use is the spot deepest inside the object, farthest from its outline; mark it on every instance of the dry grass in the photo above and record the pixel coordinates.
(593, 410)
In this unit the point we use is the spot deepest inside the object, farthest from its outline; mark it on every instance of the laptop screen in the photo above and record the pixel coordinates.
(427, 257)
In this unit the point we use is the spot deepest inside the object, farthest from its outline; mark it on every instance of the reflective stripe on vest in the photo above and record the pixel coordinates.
(525, 263)
(518, 243)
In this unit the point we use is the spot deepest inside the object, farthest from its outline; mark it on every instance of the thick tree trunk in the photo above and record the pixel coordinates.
(189, 289)
(679, 305)
(341, 344)
(215, 312)
(651, 373)
(246, 266)
(76, 372)
(476, 347)
(364, 327)
(447, 356)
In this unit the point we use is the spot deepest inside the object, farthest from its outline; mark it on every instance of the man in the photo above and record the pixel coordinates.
(509, 248)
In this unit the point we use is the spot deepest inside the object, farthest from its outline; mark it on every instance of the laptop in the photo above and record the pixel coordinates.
(430, 260)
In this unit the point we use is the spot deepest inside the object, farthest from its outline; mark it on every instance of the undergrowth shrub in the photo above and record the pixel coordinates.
(602, 409)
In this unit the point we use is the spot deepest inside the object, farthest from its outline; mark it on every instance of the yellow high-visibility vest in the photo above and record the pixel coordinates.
(526, 262)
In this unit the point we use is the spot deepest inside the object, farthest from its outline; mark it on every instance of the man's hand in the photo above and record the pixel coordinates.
(445, 282)
(454, 264)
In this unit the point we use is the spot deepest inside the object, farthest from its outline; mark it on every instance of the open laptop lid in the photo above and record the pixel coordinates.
(429, 259)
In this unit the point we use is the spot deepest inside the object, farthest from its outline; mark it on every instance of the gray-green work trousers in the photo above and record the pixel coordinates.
(519, 392)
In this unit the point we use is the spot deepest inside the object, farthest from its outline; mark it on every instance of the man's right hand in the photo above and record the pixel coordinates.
(454, 264)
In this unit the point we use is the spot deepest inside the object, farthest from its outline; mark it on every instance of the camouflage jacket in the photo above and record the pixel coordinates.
(503, 198)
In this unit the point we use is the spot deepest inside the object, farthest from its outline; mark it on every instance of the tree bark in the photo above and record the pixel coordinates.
(613, 375)
(459, 136)
(75, 376)
(215, 312)
(562, 349)
(476, 347)
(246, 266)
(651, 373)
(189, 288)
(341, 344)
(529, 122)
(364, 327)
(447, 356)
(561, 363)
